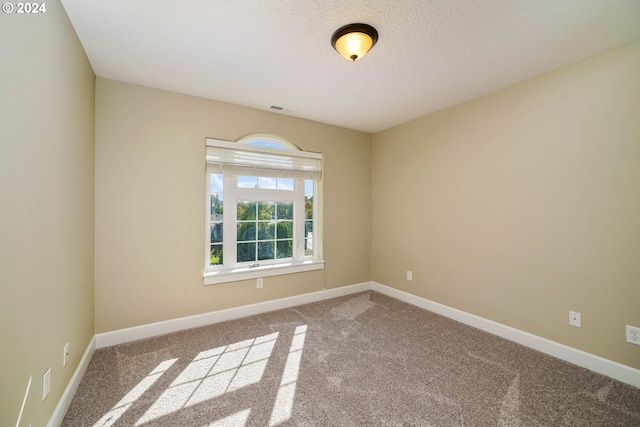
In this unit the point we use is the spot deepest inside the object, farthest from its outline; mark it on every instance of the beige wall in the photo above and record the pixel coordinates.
(46, 209)
(150, 148)
(522, 205)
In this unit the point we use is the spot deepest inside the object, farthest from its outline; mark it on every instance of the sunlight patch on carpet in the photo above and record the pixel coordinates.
(130, 398)
(283, 406)
(509, 410)
(213, 373)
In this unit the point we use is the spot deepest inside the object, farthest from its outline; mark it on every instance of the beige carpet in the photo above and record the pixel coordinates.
(360, 360)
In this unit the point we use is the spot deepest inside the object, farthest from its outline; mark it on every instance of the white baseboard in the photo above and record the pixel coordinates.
(623, 373)
(72, 386)
(121, 336)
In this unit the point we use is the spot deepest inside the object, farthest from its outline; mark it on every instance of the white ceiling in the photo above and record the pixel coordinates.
(431, 54)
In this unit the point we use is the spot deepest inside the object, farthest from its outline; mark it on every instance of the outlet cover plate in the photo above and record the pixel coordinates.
(633, 335)
(575, 319)
(46, 383)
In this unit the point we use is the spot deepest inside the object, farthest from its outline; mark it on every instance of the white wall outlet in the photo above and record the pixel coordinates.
(46, 383)
(65, 354)
(409, 275)
(575, 319)
(633, 335)
(259, 283)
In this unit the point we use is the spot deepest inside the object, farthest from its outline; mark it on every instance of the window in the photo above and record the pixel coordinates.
(262, 209)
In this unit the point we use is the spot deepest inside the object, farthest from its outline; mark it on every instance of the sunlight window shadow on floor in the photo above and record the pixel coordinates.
(283, 406)
(213, 373)
(130, 398)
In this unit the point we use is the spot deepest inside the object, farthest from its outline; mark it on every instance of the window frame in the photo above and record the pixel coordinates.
(231, 270)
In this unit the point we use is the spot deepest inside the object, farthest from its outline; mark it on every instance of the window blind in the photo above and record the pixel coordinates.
(234, 158)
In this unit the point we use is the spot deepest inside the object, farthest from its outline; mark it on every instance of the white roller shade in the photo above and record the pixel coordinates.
(244, 159)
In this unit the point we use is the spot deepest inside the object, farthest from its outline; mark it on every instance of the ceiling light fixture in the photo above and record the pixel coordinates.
(353, 41)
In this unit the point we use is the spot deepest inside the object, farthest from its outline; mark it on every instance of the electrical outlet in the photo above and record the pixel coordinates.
(575, 319)
(65, 354)
(46, 383)
(633, 335)
(260, 283)
(409, 275)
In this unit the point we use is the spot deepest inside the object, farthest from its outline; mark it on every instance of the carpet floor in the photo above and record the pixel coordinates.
(359, 360)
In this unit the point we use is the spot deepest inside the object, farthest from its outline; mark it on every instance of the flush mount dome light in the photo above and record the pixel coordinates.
(353, 41)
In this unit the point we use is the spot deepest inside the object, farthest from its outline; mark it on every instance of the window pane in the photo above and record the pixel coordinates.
(216, 206)
(308, 188)
(267, 183)
(285, 184)
(308, 199)
(246, 211)
(285, 230)
(265, 250)
(246, 231)
(216, 255)
(216, 190)
(246, 252)
(215, 183)
(266, 230)
(285, 210)
(308, 207)
(308, 238)
(272, 144)
(247, 182)
(216, 232)
(285, 249)
(266, 210)
(216, 187)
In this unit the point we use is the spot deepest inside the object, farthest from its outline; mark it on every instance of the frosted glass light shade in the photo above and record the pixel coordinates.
(353, 46)
(353, 41)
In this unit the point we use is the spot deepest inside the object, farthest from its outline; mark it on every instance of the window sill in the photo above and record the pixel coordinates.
(245, 273)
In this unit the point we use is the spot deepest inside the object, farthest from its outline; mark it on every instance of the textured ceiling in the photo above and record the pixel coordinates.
(431, 54)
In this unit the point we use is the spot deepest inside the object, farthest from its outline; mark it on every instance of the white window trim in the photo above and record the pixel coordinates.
(246, 273)
(220, 274)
